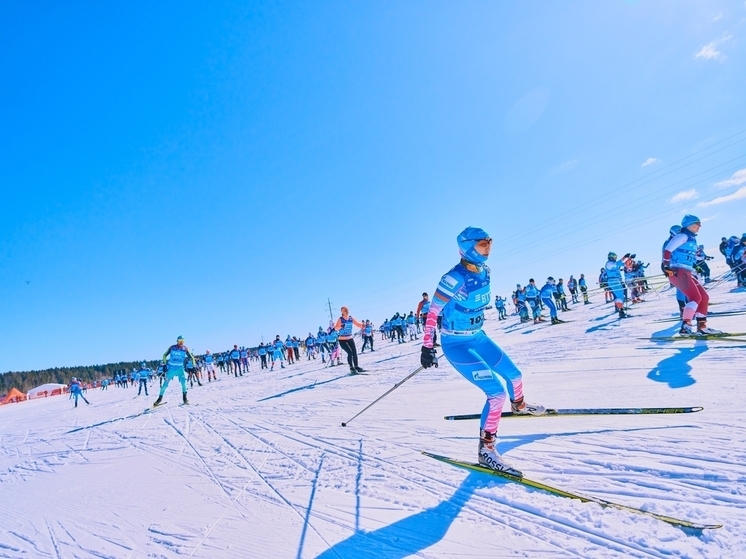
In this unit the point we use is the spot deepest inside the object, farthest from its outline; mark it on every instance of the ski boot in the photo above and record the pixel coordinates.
(623, 314)
(704, 330)
(489, 457)
(184, 396)
(359, 369)
(686, 328)
(158, 401)
(520, 407)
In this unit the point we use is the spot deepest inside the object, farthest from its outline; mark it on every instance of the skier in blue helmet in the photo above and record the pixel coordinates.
(462, 295)
(143, 375)
(679, 258)
(173, 363)
(615, 281)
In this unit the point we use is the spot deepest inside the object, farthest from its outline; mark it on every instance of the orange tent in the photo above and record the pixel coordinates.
(13, 396)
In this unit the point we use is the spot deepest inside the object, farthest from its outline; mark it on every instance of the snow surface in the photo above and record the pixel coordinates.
(260, 466)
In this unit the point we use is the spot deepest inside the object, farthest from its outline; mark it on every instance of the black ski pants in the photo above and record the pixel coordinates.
(349, 347)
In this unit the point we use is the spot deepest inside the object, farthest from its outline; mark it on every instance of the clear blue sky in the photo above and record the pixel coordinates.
(217, 171)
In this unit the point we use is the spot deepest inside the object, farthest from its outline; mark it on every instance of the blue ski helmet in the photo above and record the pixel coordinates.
(467, 241)
(690, 219)
(142, 364)
(675, 230)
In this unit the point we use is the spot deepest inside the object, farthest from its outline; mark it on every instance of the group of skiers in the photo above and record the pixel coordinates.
(551, 296)
(457, 313)
(634, 278)
(463, 295)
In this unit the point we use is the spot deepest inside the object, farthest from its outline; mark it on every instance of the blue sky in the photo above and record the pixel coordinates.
(217, 171)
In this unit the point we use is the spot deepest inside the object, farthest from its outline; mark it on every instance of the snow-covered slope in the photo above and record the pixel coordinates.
(260, 466)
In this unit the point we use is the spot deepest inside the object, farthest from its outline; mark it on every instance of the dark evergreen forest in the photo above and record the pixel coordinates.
(26, 380)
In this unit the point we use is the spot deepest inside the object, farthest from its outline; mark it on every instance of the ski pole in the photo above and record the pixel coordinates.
(726, 276)
(397, 385)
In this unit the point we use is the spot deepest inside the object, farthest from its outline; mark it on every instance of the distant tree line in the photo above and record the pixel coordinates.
(26, 380)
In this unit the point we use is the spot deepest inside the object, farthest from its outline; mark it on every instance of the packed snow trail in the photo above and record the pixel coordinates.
(262, 468)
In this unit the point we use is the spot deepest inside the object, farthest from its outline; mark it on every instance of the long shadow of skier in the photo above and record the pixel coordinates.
(507, 444)
(409, 535)
(675, 370)
(605, 326)
(306, 387)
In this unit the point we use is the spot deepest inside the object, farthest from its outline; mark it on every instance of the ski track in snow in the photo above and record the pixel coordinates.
(261, 467)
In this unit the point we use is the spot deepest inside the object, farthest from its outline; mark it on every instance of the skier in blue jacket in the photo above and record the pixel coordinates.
(547, 296)
(583, 286)
(462, 295)
(143, 374)
(531, 293)
(76, 390)
(173, 364)
(615, 281)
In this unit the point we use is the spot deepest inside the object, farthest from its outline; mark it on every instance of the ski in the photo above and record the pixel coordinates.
(736, 337)
(571, 495)
(709, 315)
(587, 411)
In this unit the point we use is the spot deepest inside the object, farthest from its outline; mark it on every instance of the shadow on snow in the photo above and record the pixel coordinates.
(675, 370)
(411, 535)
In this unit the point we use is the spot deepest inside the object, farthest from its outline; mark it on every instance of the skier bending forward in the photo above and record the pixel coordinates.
(462, 295)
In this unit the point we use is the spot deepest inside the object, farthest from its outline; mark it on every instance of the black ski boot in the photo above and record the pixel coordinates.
(158, 401)
(185, 397)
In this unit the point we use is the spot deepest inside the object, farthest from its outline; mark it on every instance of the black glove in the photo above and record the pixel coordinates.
(165, 367)
(666, 268)
(428, 357)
